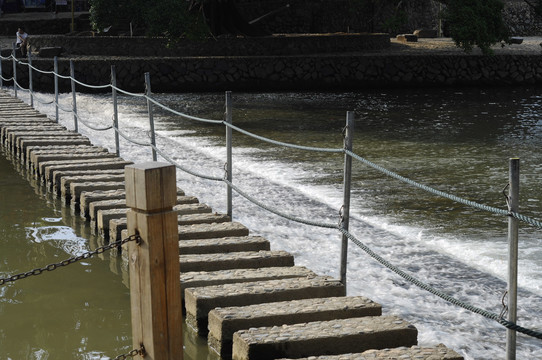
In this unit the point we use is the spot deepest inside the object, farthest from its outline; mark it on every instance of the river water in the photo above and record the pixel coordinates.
(456, 140)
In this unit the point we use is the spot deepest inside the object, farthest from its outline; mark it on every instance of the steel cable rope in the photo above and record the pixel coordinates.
(41, 71)
(191, 172)
(126, 137)
(280, 143)
(38, 100)
(91, 126)
(88, 85)
(61, 108)
(276, 212)
(182, 114)
(127, 92)
(442, 295)
(454, 198)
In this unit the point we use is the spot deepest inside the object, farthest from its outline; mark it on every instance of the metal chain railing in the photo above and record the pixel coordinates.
(442, 295)
(135, 352)
(66, 262)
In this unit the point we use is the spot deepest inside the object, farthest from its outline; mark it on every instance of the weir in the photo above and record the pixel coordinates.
(222, 267)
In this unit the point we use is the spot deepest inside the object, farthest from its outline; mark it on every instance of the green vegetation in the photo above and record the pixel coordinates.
(472, 23)
(476, 23)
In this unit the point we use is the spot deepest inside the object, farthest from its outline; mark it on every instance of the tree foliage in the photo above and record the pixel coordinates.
(476, 23)
(170, 18)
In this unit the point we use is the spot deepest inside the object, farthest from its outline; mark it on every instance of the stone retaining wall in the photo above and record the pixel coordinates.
(224, 46)
(281, 73)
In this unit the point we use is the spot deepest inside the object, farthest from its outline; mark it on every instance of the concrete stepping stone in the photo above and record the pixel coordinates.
(195, 279)
(188, 214)
(52, 173)
(323, 338)
(38, 156)
(208, 231)
(51, 148)
(76, 188)
(199, 301)
(235, 260)
(65, 182)
(58, 140)
(223, 322)
(223, 245)
(438, 352)
(68, 157)
(56, 186)
(14, 138)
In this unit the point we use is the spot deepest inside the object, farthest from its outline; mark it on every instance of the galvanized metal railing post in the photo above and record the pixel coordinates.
(55, 70)
(30, 82)
(74, 96)
(513, 225)
(115, 108)
(1, 75)
(14, 70)
(347, 184)
(151, 116)
(229, 175)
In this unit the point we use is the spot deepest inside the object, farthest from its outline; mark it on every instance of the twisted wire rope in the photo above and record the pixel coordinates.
(157, 103)
(126, 137)
(442, 295)
(454, 198)
(180, 167)
(50, 72)
(38, 100)
(84, 122)
(88, 85)
(279, 213)
(127, 92)
(280, 143)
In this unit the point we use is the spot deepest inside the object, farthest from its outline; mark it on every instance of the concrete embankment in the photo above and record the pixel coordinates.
(253, 301)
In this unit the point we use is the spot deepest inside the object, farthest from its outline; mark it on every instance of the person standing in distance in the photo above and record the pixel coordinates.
(22, 40)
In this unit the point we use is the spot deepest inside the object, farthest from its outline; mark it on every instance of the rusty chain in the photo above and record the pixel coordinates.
(54, 266)
(132, 354)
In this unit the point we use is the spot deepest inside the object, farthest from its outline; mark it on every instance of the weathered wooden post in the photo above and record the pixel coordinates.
(154, 263)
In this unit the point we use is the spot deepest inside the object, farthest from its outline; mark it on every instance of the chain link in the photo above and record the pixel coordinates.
(70, 261)
(132, 354)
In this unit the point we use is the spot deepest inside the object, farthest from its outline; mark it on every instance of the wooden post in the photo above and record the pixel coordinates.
(155, 288)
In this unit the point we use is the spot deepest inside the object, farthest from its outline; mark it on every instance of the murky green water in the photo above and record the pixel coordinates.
(81, 311)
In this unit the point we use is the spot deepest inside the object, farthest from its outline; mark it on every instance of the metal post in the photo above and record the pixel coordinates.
(74, 96)
(30, 82)
(56, 86)
(14, 70)
(151, 117)
(229, 175)
(513, 206)
(115, 108)
(1, 75)
(347, 182)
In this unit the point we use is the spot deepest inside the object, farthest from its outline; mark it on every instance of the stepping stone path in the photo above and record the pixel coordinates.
(251, 301)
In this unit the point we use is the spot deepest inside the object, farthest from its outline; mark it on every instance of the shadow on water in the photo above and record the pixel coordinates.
(81, 311)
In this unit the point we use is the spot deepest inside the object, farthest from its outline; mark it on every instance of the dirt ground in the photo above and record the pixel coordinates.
(530, 46)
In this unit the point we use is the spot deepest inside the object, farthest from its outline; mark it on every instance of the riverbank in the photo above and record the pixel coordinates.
(238, 67)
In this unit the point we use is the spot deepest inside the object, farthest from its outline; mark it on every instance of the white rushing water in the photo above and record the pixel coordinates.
(466, 268)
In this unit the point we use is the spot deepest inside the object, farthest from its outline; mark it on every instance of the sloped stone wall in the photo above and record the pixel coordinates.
(293, 73)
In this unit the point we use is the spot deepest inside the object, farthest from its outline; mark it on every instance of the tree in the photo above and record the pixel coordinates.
(173, 18)
(476, 23)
